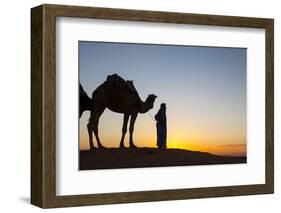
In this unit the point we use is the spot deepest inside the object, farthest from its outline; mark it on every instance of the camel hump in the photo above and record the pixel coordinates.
(117, 81)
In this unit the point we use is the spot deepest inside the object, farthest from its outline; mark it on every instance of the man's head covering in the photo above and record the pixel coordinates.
(163, 105)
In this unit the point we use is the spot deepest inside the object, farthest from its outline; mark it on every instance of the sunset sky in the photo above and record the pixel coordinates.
(204, 89)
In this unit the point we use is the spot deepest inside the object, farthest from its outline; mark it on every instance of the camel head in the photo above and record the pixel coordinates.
(151, 97)
(148, 104)
(150, 100)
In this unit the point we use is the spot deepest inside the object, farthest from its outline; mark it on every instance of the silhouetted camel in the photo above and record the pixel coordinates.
(85, 103)
(119, 96)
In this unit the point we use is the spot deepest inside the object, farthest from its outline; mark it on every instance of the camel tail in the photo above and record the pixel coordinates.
(85, 101)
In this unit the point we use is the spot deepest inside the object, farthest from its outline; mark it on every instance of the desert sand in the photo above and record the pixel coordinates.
(113, 158)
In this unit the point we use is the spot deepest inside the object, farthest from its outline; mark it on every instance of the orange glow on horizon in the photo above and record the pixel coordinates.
(228, 149)
(180, 135)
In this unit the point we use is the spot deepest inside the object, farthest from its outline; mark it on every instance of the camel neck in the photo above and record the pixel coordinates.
(145, 106)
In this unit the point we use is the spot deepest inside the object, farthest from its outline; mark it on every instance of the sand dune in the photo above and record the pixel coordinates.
(111, 158)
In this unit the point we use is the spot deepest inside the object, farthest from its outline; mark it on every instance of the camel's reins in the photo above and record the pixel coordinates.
(151, 116)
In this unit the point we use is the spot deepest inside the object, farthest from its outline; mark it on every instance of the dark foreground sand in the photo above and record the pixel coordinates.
(112, 158)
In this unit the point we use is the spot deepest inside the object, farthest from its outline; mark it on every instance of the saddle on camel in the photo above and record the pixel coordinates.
(117, 81)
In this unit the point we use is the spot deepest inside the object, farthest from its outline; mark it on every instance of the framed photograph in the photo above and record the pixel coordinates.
(136, 106)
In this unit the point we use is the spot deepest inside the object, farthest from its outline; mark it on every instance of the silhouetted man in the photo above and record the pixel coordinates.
(161, 126)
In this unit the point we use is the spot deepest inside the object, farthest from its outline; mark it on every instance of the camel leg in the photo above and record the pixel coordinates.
(96, 128)
(131, 129)
(90, 132)
(124, 129)
(93, 126)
